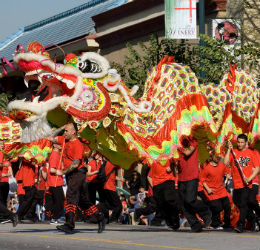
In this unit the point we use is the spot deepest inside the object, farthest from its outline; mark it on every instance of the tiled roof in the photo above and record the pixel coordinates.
(60, 28)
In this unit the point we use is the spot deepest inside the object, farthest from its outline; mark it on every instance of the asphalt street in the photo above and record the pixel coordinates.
(45, 236)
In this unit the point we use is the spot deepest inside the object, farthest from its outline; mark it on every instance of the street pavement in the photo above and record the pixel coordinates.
(44, 236)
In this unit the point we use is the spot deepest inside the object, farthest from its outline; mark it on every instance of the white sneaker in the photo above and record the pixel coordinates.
(54, 222)
(5, 221)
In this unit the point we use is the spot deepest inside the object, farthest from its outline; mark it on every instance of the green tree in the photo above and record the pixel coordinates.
(138, 64)
(4, 100)
(216, 58)
(213, 58)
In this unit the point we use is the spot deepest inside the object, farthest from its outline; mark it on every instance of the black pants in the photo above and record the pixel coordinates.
(188, 191)
(253, 203)
(203, 197)
(57, 196)
(5, 213)
(167, 201)
(48, 206)
(77, 195)
(216, 206)
(37, 199)
(93, 188)
(112, 202)
(20, 199)
(27, 202)
(4, 190)
(241, 200)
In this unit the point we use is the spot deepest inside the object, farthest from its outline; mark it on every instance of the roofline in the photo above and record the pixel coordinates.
(50, 20)
(63, 14)
(11, 38)
(124, 10)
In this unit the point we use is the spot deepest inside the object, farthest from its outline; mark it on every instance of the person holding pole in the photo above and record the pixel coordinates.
(244, 167)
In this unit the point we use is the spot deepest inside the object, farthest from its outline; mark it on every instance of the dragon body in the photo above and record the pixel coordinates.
(86, 90)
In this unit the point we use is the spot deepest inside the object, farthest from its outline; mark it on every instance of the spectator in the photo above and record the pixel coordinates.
(134, 184)
(124, 214)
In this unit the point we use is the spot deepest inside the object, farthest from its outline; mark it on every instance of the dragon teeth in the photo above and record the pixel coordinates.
(26, 83)
(36, 99)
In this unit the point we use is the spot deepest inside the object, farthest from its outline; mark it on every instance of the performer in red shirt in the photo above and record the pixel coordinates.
(244, 167)
(3, 210)
(188, 174)
(92, 176)
(165, 194)
(55, 183)
(109, 196)
(212, 180)
(39, 193)
(20, 190)
(5, 172)
(29, 178)
(72, 157)
(253, 203)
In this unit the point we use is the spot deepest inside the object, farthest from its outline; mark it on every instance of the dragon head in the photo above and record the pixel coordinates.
(83, 87)
(51, 85)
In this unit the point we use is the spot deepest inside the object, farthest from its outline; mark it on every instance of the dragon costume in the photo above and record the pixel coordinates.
(124, 129)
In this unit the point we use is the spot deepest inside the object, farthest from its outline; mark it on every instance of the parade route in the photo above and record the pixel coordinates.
(45, 236)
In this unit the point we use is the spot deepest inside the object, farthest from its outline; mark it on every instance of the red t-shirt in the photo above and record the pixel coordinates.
(189, 166)
(73, 150)
(19, 181)
(42, 183)
(111, 181)
(28, 174)
(213, 177)
(256, 179)
(1, 157)
(94, 165)
(1, 168)
(4, 170)
(248, 160)
(200, 186)
(159, 173)
(20, 190)
(54, 180)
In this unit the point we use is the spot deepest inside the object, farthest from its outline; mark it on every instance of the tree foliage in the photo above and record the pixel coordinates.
(213, 58)
(4, 100)
(140, 61)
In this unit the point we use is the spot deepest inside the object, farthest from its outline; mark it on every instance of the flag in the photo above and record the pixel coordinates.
(180, 19)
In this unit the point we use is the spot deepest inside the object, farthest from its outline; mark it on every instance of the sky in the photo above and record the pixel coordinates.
(15, 14)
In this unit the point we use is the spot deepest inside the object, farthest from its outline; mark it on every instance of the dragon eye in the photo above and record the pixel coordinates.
(82, 65)
(48, 77)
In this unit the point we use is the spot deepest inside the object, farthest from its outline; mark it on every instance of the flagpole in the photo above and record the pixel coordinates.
(202, 28)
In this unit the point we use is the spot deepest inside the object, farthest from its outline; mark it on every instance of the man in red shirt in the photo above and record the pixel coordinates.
(165, 194)
(20, 190)
(55, 183)
(72, 158)
(244, 167)
(212, 180)
(253, 203)
(109, 196)
(39, 193)
(188, 179)
(4, 212)
(5, 173)
(29, 178)
(92, 176)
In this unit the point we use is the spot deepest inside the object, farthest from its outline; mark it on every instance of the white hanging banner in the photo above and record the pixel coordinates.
(180, 19)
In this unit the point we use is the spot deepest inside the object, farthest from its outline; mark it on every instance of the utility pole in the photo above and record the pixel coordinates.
(202, 27)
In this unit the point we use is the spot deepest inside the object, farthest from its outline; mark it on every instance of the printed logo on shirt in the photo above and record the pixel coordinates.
(243, 161)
